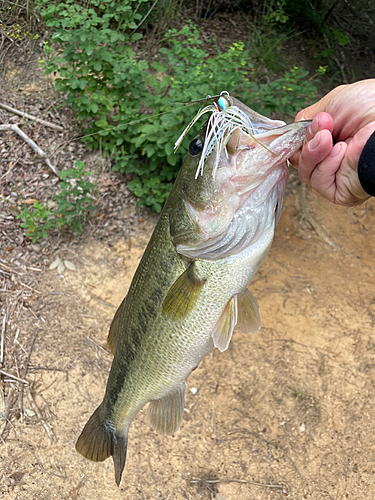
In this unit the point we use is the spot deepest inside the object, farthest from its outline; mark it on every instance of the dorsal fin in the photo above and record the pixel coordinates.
(113, 329)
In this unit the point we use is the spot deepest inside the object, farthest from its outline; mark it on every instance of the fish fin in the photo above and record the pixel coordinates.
(165, 415)
(120, 446)
(182, 295)
(113, 329)
(248, 313)
(96, 440)
(222, 333)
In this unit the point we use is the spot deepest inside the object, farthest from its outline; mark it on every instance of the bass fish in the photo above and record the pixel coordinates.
(190, 289)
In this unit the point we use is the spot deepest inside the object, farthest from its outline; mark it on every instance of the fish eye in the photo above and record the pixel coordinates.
(195, 147)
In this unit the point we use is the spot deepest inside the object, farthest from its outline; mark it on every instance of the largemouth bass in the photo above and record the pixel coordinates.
(190, 289)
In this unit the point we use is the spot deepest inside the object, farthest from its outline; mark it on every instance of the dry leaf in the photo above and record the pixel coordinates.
(61, 267)
(69, 265)
(55, 263)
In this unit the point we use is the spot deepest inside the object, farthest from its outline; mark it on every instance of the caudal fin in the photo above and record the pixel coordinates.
(98, 441)
(119, 456)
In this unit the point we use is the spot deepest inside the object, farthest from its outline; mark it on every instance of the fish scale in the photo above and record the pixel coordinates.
(190, 289)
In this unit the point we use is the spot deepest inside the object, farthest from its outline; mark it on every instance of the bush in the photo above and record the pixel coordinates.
(73, 201)
(132, 109)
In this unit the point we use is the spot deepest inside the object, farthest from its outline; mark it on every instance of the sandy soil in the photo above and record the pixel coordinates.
(285, 413)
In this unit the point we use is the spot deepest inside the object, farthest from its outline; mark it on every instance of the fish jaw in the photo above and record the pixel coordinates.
(253, 171)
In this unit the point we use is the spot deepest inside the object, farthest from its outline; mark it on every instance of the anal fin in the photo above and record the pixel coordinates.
(165, 415)
(223, 330)
(248, 313)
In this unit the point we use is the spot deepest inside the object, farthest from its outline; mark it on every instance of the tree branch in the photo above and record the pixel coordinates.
(31, 117)
(31, 143)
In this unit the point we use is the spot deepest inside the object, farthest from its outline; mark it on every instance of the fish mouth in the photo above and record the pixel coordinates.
(280, 141)
(233, 129)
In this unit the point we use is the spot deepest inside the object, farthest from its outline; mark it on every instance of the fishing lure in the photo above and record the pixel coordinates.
(224, 120)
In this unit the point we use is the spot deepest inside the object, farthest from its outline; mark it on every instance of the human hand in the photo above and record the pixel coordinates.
(346, 115)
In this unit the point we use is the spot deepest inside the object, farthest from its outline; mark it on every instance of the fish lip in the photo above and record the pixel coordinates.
(247, 141)
(281, 130)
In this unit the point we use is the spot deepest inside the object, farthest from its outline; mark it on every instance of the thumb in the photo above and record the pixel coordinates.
(311, 111)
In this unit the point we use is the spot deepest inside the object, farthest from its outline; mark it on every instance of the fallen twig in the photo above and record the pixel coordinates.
(14, 377)
(31, 117)
(25, 370)
(13, 164)
(5, 416)
(66, 295)
(195, 480)
(309, 218)
(32, 144)
(107, 351)
(46, 426)
(2, 339)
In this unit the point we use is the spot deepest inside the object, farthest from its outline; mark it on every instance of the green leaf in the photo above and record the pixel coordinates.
(172, 159)
(102, 123)
(89, 49)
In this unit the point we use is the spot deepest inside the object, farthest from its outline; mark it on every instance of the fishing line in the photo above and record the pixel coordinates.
(132, 122)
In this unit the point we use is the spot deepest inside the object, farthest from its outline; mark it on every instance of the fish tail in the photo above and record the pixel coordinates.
(98, 441)
(119, 455)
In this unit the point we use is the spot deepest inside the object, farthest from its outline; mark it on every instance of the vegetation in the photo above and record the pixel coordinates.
(129, 68)
(133, 108)
(73, 201)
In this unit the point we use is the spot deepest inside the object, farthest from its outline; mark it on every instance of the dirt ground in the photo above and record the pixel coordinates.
(285, 413)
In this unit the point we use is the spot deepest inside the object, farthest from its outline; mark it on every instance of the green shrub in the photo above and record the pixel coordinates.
(73, 201)
(131, 109)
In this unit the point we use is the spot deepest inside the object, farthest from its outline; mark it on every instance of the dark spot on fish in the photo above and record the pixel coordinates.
(165, 265)
(158, 294)
(119, 370)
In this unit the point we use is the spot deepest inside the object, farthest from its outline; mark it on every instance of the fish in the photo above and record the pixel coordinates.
(190, 290)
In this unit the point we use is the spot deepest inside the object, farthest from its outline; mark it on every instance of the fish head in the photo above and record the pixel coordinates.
(238, 159)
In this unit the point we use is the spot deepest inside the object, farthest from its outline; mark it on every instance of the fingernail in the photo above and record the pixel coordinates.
(335, 150)
(314, 143)
(314, 126)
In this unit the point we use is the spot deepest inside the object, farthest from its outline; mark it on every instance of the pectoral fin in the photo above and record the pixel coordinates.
(165, 415)
(182, 295)
(248, 313)
(223, 330)
(113, 329)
